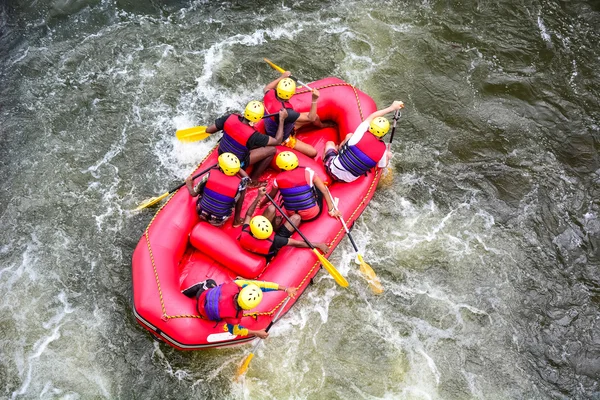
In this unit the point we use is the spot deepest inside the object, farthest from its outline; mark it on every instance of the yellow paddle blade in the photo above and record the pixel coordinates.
(331, 269)
(193, 134)
(244, 367)
(275, 67)
(369, 274)
(151, 201)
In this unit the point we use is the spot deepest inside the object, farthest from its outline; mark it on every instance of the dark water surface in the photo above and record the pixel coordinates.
(487, 242)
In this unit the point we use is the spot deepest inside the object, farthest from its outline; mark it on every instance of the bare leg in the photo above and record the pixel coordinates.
(237, 215)
(260, 158)
(269, 213)
(305, 148)
(304, 120)
(296, 219)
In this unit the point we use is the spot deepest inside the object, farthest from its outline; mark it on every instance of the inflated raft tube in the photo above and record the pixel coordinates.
(177, 250)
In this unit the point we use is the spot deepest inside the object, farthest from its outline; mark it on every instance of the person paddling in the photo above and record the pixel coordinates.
(258, 236)
(362, 150)
(242, 140)
(301, 189)
(227, 301)
(277, 95)
(220, 191)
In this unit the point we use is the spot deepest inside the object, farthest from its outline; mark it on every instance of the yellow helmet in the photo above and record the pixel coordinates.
(286, 88)
(287, 160)
(379, 126)
(250, 296)
(229, 163)
(254, 111)
(261, 227)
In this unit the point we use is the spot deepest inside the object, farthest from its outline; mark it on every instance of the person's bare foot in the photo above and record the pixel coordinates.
(238, 222)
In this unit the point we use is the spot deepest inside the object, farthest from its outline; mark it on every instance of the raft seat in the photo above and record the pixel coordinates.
(221, 247)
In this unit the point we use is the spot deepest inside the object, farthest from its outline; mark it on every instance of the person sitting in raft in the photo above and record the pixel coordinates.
(301, 189)
(277, 94)
(227, 301)
(362, 150)
(258, 236)
(220, 191)
(242, 140)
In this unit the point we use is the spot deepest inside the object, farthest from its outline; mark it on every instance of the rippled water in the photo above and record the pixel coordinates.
(487, 242)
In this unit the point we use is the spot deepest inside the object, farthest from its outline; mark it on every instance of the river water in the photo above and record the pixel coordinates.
(487, 241)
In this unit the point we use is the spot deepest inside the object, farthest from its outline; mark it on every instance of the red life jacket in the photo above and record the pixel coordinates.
(218, 197)
(224, 306)
(258, 246)
(235, 137)
(295, 189)
(272, 105)
(362, 156)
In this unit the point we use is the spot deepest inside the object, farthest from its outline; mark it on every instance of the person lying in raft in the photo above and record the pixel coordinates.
(301, 189)
(227, 301)
(220, 191)
(362, 150)
(242, 140)
(277, 94)
(258, 236)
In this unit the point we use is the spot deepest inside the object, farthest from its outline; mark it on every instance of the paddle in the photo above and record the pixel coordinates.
(244, 367)
(388, 176)
(365, 269)
(281, 71)
(325, 262)
(155, 200)
(197, 133)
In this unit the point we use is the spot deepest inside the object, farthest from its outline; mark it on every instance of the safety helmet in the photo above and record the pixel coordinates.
(250, 296)
(287, 160)
(254, 111)
(261, 227)
(379, 126)
(229, 163)
(286, 88)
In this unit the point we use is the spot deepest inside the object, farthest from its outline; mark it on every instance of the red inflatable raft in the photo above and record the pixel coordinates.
(177, 250)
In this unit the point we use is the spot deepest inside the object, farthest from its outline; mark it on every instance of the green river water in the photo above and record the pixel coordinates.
(487, 242)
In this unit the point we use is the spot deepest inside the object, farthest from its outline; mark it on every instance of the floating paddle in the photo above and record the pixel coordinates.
(244, 367)
(155, 200)
(325, 262)
(388, 176)
(281, 71)
(197, 133)
(365, 269)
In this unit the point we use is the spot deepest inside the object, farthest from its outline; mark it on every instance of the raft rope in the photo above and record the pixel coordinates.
(336, 239)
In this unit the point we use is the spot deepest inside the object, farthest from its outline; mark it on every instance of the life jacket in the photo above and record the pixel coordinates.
(296, 191)
(235, 137)
(359, 158)
(258, 246)
(218, 197)
(218, 303)
(272, 105)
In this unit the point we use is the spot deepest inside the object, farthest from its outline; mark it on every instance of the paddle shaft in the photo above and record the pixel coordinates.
(194, 177)
(341, 218)
(275, 319)
(289, 220)
(396, 116)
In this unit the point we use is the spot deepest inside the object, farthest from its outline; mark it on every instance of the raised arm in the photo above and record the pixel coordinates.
(273, 84)
(396, 105)
(252, 207)
(276, 141)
